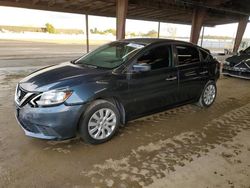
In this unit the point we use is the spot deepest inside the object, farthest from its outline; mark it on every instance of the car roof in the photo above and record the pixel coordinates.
(148, 41)
(153, 40)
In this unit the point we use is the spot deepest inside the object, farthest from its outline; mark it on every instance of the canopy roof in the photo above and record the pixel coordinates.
(173, 11)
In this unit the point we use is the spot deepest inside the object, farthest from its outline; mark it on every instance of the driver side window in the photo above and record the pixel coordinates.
(158, 57)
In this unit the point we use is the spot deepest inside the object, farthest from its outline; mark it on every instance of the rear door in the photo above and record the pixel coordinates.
(189, 71)
(209, 66)
(157, 88)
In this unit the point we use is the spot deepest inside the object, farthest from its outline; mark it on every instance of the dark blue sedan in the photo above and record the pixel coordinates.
(120, 81)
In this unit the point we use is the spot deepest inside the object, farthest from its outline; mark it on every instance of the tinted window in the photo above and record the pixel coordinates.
(187, 54)
(205, 55)
(157, 58)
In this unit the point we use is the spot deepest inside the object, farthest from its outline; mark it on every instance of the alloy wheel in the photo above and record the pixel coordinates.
(209, 94)
(102, 123)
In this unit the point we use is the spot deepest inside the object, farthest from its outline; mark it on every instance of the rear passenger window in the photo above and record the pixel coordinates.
(187, 55)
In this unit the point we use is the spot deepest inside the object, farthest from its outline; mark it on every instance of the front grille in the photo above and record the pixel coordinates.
(22, 97)
(242, 65)
(233, 72)
(20, 93)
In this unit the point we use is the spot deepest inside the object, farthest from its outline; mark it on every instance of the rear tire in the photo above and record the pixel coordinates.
(208, 95)
(100, 122)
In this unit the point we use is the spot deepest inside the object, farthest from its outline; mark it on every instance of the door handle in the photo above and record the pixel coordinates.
(204, 72)
(171, 78)
(192, 73)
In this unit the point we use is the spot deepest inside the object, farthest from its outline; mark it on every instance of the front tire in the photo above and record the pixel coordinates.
(208, 95)
(100, 122)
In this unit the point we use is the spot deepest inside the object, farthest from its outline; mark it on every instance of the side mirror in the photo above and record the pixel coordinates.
(141, 67)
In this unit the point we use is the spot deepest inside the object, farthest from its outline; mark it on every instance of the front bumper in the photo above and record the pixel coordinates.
(52, 123)
(236, 73)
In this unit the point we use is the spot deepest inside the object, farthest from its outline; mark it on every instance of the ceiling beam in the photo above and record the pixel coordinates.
(210, 6)
(173, 11)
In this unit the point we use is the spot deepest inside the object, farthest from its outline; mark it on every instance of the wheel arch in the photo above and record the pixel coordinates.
(113, 100)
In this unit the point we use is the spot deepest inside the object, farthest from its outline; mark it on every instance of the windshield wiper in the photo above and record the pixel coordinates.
(90, 66)
(73, 61)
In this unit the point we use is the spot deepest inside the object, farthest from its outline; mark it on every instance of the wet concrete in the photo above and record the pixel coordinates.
(183, 147)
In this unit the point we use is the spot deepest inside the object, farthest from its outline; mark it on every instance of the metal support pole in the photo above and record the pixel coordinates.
(121, 14)
(202, 35)
(240, 32)
(159, 29)
(87, 32)
(197, 23)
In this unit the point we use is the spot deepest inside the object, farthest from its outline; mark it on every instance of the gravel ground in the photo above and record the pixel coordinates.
(183, 147)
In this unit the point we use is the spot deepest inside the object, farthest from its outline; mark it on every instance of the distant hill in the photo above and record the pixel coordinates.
(19, 29)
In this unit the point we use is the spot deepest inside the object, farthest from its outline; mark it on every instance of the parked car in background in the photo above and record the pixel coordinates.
(238, 65)
(118, 82)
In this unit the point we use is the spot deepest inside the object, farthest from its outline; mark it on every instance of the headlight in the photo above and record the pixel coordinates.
(226, 63)
(53, 97)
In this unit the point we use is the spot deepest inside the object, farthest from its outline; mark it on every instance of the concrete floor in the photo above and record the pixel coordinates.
(183, 147)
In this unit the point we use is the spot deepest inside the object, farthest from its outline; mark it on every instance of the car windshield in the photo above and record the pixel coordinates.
(110, 55)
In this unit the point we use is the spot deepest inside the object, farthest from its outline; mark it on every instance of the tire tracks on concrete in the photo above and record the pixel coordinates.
(155, 160)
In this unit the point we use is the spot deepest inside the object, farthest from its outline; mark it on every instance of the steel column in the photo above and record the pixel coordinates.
(159, 29)
(240, 32)
(202, 35)
(87, 31)
(121, 13)
(197, 23)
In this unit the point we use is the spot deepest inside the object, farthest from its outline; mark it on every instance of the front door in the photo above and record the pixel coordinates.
(156, 88)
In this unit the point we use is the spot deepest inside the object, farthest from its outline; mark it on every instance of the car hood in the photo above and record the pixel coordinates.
(61, 75)
(237, 59)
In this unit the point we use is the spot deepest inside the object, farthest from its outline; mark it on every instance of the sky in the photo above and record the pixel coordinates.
(38, 18)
